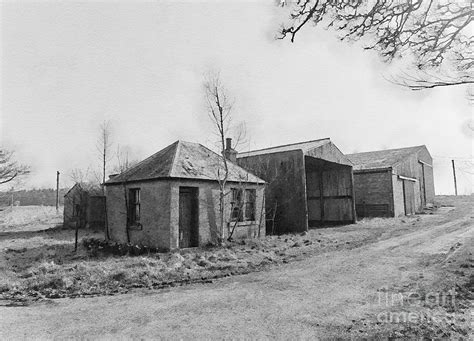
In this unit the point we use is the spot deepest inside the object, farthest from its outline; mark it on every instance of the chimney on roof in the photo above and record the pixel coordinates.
(230, 153)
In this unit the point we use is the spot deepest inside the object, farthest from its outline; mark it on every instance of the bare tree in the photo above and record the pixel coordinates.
(81, 176)
(124, 162)
(104, 144)
(10, 169)
(436, 33)
(219, 108)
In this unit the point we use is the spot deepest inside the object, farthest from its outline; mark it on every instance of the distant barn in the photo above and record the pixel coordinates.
(309, 184)
(394, 182)
(171, 199)
(84, 206)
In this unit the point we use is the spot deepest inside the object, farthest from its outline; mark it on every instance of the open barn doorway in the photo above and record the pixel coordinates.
(329, 193)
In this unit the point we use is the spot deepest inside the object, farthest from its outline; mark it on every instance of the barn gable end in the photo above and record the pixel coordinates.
(410, 186)
(309, 184)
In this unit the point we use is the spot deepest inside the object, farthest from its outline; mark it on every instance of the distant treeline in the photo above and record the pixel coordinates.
(45, 197)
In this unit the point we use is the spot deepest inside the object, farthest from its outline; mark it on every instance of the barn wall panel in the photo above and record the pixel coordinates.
(286, 190)
(425, 156)
(373, 188)
(399, 208)
(336, 210)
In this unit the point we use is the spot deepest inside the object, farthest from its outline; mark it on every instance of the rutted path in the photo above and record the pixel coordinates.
(331, 294)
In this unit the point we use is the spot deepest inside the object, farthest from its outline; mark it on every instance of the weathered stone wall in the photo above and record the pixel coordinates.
(154, 214)
(209, 214)
(159, 213)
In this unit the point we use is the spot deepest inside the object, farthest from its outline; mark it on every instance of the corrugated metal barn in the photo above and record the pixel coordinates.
(171, 199)
(309, 184)
(391, 183)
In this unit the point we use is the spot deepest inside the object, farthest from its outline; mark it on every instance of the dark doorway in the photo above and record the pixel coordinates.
(409, 196)
(328, 193)
(188, 217)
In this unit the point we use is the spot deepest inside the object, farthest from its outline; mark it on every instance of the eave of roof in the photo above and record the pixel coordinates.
(178, 179)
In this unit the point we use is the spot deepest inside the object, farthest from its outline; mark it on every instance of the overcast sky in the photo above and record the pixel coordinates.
(68, 66)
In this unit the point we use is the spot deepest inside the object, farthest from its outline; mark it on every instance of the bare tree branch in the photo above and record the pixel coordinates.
(437, 33)
(10, 169)
(123, 159)
(103, 145)
(219, 110)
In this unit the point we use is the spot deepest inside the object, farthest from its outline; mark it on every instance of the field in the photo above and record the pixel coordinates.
(403, 277)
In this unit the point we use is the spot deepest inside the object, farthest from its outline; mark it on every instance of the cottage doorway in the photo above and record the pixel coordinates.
(188, 217)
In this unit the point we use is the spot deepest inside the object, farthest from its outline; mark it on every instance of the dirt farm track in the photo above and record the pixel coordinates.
(412, 278)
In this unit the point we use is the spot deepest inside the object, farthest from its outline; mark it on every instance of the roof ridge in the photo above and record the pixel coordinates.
(284, 145)
(415, 150)
(220, 155)
(387, 150)
(173, 162)
(141, 163)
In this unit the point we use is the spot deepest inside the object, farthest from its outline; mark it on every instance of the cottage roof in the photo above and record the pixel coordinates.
(381, 158)
(184, 160)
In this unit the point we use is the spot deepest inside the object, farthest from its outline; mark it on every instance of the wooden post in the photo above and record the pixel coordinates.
(455, 183)
(57, 191)
(76, 235)
(79, 222)
(353, 206)
(321, 195)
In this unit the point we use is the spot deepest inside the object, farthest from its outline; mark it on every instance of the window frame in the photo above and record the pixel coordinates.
(134, 207)
(239, 196)
(250, 200)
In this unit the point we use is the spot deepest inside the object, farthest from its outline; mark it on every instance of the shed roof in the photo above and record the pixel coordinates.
(320, 149)
(88, 188)
(184, 160)
(382, 158)
(304, 146)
